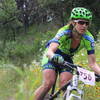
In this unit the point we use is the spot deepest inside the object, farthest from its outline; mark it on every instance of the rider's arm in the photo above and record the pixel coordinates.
(51, 49)
(57, 40)
(92, 63)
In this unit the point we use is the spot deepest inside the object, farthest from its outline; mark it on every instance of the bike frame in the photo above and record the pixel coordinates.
(71, 86)
(74, 87)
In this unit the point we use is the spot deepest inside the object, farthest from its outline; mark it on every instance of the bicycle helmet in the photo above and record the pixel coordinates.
(81, 13)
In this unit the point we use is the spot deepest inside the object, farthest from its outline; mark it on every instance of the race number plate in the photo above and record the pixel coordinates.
(86, 76)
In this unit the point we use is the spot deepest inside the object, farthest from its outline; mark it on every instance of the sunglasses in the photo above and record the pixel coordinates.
(82, 22)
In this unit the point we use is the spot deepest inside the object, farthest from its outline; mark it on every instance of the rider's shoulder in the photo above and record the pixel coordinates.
(89, 33)
(88, 36)
(66, 27)
(63, 31)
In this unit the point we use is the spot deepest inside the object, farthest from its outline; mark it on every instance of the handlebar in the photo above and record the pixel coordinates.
(70, 65)
(73, 66)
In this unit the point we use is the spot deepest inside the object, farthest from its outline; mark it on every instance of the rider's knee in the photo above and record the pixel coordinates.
(63, 82)
(64, 78)
(48, 84)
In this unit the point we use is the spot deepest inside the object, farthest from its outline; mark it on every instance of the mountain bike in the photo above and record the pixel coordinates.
(74, 90)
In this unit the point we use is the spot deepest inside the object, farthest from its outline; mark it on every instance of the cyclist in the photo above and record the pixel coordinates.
(69, 40)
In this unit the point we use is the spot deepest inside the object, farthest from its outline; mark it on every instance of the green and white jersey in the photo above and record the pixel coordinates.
(63, 37)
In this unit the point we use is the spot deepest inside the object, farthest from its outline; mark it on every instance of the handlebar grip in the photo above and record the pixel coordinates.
(97, 77)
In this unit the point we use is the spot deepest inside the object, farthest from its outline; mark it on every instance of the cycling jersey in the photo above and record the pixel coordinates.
(63, 37)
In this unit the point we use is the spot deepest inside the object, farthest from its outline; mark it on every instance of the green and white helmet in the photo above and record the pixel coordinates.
(81, 13)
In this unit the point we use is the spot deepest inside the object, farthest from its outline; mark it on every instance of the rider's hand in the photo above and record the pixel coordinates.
(97, 77)
(57, 59)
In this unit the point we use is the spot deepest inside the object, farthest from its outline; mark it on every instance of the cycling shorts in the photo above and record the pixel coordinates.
(58, 68)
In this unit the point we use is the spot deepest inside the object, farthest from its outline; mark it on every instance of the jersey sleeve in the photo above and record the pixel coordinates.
(89, 44)
(59, 37)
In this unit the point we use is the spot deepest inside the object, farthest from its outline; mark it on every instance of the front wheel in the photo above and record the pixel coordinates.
(72, 97)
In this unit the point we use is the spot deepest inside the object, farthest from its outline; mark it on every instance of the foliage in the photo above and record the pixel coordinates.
(26, 90)
(9, 76)
(8, 20)
(14, 14)
(56, 10)
(45, 2)
(27, 47)
(8, 7)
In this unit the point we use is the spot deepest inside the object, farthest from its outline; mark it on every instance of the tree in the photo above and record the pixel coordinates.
(8, 20)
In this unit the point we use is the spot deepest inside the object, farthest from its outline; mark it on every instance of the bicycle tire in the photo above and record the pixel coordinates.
(72, 97)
